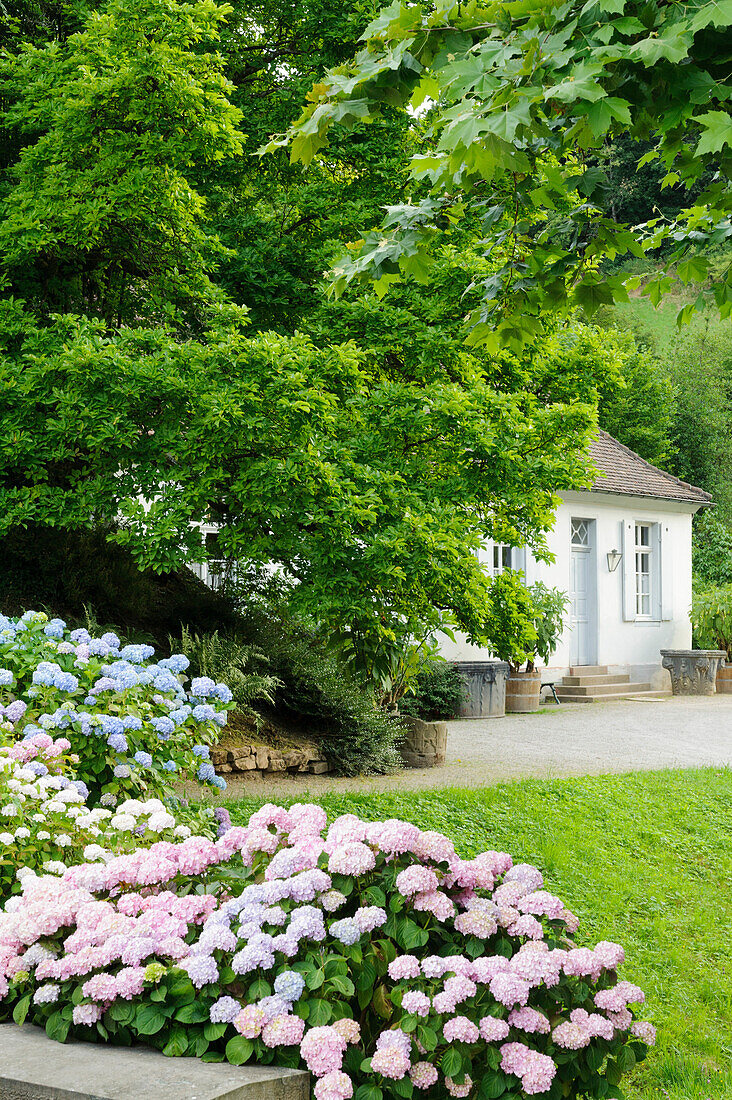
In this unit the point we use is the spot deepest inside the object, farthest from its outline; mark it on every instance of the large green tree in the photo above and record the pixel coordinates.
(136, 395)
(517, 101)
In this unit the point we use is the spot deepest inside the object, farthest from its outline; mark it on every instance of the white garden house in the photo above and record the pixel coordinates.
(622, 553)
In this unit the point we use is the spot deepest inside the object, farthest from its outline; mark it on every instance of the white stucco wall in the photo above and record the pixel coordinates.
(632, 646)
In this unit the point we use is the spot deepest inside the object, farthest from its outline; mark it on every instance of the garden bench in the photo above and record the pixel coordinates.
(550, 684)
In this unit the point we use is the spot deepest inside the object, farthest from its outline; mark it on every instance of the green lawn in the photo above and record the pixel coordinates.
(643, 859)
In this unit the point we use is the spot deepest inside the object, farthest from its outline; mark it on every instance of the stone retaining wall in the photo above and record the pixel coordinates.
(258, 760)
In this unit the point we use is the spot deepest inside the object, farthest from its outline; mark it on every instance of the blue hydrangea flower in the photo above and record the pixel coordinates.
(98, 647)
(131, 722)
(206, 773)
(204, 712)
(55, 628)
(181, 715)
(122, 771)
(111, 640)
(219, 781)
(224, 693)
(137, 654)
(202, 687)
(346, 930)
(118, 742)
(290, 985)
(37, 767)
(110, 723)
(81, 787)
(202, 752)
(178, 662)
(170, 766)
(144, 759)
(65, 681)
(163, 725)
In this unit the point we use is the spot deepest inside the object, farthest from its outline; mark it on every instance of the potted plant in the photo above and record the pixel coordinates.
(525, 623)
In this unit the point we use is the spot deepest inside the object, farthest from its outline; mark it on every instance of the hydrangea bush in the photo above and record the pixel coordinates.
(46, 821)
(370, 954)
(128, 718)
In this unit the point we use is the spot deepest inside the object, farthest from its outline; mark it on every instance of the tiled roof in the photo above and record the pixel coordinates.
(624, 471)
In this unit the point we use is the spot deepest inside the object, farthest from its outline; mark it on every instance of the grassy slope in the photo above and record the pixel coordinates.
(643, 859)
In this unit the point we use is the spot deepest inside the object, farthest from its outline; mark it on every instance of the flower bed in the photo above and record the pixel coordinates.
(128, 719)
(369, 953)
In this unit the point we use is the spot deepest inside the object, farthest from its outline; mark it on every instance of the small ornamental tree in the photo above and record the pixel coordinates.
(369, 953)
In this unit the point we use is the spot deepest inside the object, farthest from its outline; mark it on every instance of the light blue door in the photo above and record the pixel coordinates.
(582, 593)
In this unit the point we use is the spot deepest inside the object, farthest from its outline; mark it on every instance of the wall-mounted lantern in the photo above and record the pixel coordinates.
(613, 560)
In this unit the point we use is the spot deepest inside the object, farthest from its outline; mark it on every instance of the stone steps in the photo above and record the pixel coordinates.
(590, 681)
(33, 1067)
(604, 698)
(572, 691)
(594, 684)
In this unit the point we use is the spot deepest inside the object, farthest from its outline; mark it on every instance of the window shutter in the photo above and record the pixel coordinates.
(628, 550)
(667, 580)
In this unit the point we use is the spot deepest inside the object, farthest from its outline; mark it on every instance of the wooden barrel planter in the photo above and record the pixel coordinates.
(522, 692)
(724, 680)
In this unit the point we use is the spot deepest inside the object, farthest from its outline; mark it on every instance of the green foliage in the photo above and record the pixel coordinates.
(512, 148)
(711, 549)
(711, 618)
(550, 605)
(525, 622)
(319, 693)
(512, 625)
(348, 482)
(89, 581)
(102, 217)
(438, 693)
(224, 659)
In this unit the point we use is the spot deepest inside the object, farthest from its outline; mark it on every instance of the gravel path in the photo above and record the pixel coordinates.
(561, 740)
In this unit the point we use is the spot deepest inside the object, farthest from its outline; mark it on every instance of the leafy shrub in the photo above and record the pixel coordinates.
(356, 736)
(47, 822)
(711, 618)
(438, 693)
(374, 956)
(128, 719)
(711, 549)
(221, 657)
(525, 622)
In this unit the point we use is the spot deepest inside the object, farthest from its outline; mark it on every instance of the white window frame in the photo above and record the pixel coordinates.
(645, 553)
(500, 558)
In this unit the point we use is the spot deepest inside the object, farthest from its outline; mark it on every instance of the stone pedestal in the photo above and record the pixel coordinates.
(693, 671)
(485, 695)
(425, 743)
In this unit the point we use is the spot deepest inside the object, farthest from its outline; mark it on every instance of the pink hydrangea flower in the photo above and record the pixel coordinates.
(416, 1003)
(284, 1030)
(493, 1030)
(423, 1075)
(322, 1049)
(404, 966)
(461, 1030)
(644, 1031)
(335, 1085)
(416, 880)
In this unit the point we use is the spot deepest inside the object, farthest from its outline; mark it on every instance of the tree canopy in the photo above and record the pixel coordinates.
(167, 356)
(513, 102)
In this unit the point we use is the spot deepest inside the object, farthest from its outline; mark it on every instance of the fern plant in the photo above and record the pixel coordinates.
(224, 658)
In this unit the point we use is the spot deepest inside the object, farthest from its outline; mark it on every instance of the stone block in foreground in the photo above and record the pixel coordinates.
(33, 1067)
